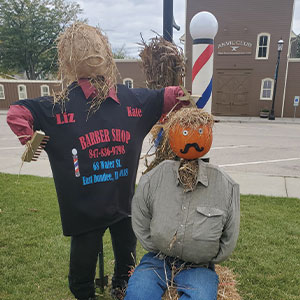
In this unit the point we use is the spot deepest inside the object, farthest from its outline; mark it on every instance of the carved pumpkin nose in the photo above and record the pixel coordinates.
(190, 143)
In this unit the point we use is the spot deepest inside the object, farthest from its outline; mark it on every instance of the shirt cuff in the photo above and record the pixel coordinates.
(170, 98)
(20, 120)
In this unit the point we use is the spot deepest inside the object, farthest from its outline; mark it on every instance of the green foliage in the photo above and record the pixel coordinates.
(28, 30)
(34, 254)
(298, 46)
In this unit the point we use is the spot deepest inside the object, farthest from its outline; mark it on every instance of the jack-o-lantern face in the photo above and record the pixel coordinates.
(190, 143)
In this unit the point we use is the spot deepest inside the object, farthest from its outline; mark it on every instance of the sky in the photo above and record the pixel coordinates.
(124, 21)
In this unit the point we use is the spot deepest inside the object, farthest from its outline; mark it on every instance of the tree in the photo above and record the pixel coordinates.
(28, 30)
(120, 53)
(298, 46)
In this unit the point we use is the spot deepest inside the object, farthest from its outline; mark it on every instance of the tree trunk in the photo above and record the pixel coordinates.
(31, 73)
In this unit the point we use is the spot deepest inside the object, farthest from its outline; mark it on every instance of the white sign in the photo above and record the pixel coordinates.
(296, 100)
(235, 44)
(236, 47)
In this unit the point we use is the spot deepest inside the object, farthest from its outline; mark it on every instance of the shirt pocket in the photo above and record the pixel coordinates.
(208, 224)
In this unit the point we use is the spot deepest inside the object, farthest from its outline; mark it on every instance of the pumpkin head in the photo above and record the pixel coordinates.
(190, 142)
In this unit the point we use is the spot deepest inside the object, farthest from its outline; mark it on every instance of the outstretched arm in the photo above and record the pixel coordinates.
(20, 120)
(171, 95)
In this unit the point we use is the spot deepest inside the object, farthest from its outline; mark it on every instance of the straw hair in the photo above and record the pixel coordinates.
(191, 117)
(84, 52)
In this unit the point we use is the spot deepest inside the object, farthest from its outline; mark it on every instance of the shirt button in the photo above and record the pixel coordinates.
(183, 207)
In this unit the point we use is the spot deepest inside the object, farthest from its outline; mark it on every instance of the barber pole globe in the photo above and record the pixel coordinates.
(203, 29)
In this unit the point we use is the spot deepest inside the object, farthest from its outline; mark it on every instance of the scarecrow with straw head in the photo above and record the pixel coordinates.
(185, 212)
(96, 129)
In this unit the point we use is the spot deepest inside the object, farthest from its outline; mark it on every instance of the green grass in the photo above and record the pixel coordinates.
(34, 254)
(267, 257)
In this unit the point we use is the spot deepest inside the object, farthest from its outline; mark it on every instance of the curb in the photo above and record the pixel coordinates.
(257, 120)
(221, 119)
(3, 112)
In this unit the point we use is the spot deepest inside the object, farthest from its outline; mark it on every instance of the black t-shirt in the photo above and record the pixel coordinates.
(94, 160)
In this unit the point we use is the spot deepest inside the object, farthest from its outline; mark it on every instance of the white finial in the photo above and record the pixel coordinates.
(74, 151)
(204, 25)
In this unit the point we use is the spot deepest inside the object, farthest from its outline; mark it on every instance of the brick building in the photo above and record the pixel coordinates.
(245, 56)
(13, 90)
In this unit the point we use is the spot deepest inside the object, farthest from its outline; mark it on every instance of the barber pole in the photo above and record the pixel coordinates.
(203, 29)
(75, 161)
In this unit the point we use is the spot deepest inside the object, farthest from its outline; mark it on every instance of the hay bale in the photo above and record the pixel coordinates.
(227, 284)
(162, 63)
(226, 291)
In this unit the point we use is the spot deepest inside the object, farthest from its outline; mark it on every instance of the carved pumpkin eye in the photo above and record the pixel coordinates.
(185, 132)
(200, 130)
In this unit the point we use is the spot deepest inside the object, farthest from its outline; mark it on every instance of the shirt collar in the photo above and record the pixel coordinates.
(88, 90)
(202, 172)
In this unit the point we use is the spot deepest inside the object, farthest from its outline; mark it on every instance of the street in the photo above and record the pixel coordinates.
(268, 148)
(256, 154)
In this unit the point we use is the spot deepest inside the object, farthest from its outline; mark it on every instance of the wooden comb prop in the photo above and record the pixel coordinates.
(35, 146)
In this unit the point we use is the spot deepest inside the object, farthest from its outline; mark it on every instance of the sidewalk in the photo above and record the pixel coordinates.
(267, 185)
(277, 120)
(250, 183)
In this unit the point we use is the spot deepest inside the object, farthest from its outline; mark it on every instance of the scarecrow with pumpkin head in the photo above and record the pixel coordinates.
(185, 212)
(96, 129)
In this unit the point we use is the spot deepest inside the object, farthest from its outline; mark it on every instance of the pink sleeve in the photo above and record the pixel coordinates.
(20, 121)
(170, 98)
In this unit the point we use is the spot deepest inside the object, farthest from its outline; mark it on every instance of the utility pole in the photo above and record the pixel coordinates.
(168, 20)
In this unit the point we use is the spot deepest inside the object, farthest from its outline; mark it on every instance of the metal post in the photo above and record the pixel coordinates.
(102, 281)
(272, 115)
(168, 20)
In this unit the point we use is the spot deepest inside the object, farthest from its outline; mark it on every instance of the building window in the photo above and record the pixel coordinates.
(2, 95)
(22, 91)
(266, 92)
(45, 90)
(262, 48)
(128, 82)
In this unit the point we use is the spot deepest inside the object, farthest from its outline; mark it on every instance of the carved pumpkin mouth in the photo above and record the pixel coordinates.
(188, 146)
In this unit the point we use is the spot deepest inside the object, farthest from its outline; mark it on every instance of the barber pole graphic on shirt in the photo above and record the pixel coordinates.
(203, 28)
(76, 164)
